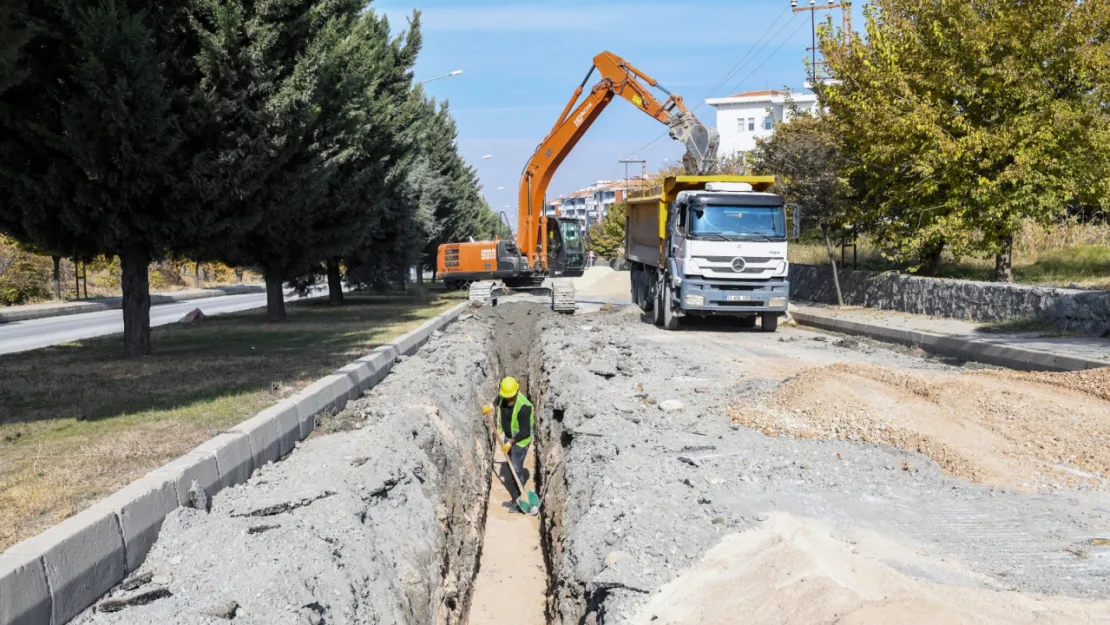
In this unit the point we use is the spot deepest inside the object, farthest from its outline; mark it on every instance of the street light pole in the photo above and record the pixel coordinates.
(447, 75)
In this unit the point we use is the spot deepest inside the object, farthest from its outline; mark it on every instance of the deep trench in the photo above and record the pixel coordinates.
(516, 328)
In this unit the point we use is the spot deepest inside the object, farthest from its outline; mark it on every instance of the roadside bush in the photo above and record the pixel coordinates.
(24, 277)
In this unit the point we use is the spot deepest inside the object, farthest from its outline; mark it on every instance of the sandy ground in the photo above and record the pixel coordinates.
(511, 585)
(796, 571)
(998, 428)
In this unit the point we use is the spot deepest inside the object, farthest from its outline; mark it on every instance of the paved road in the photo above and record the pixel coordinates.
(19, 336)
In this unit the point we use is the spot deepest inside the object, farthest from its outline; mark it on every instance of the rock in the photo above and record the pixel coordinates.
(224, 610)
(702, 389)
(670, 405)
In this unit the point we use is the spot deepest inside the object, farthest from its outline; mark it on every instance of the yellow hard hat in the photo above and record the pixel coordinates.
(509, 387)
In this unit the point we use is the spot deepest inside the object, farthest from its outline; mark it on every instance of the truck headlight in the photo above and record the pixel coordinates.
(776, 302)
(695, 300)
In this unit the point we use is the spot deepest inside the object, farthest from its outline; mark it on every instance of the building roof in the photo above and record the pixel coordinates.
(754, 94)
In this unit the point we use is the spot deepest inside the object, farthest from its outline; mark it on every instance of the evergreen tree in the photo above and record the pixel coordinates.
(89, 140)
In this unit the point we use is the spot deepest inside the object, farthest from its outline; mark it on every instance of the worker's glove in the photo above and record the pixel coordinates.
(505, 449)
(487, 410)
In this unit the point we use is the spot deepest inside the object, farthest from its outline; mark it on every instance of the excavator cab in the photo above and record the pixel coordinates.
(566, 247)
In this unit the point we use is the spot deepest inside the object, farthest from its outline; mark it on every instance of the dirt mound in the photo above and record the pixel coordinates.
(612, 284)
(1051, 430)
(795, 571)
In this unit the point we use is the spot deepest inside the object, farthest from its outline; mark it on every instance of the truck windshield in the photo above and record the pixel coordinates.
(739, 221)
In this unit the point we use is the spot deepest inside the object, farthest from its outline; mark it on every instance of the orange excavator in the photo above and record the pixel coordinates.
(550, 249)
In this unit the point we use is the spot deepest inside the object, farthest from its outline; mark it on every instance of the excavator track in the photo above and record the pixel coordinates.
(485, 292)
(562, 296)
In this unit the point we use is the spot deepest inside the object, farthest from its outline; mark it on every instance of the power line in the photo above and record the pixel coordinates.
(739, 65)
(768, 58)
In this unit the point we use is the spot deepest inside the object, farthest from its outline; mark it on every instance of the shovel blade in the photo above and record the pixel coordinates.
(529, 502)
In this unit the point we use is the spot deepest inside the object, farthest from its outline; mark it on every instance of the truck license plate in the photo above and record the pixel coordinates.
(739, 298)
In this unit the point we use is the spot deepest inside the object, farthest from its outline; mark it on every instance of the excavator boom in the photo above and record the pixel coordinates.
(618, 78)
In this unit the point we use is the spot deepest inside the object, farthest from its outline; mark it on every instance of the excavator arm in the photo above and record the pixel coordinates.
(618, 78)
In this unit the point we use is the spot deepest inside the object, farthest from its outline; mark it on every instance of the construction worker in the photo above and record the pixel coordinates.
(515, 416)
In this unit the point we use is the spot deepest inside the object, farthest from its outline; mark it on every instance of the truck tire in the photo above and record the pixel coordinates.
(746, 322)
(670, 320)
(769, 322)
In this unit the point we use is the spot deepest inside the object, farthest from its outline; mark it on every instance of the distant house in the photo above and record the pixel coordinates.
(743, 117)
(590, 205)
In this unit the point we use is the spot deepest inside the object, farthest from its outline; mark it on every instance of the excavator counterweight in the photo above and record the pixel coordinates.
(550, 249)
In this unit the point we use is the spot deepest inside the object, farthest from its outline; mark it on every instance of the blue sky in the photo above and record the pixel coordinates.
(522, 59)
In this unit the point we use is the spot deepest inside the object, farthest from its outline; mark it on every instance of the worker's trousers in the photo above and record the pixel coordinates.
(516, 456)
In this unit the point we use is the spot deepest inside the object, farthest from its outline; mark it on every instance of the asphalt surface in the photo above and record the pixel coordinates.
(19, 336)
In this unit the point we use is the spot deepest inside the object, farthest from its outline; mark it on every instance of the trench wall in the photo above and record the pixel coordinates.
(1071, 310)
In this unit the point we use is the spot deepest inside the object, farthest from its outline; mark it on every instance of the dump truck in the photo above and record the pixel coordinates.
(709, 246)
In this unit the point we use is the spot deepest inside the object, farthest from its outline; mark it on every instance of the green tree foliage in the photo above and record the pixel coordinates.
(961, 118)
(606, 238)
(804, 156)
(89, 140)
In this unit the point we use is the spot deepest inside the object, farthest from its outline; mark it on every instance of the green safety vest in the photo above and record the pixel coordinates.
(521, 400)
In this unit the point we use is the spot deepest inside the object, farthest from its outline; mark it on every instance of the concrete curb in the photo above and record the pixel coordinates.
(52, 577)
(116, 303)
(953, 346)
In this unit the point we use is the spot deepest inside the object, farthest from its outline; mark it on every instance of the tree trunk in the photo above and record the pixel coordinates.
(832, 261)
(275, 297)
(335, 283)
(196, 272)
(435, 272)
(930, 258)
(420, 274)
(135, 263)
(1004, 261)
(57, 276)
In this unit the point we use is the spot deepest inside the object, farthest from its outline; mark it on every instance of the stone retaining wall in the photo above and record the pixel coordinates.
(1071, 310)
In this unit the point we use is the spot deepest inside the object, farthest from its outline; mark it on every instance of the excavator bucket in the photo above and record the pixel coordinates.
(701, 141)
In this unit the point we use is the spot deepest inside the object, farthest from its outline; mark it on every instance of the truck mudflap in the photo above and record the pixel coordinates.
(713, 296)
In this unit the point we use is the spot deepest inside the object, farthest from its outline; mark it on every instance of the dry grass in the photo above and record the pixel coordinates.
(1059, 256)
(79, 421)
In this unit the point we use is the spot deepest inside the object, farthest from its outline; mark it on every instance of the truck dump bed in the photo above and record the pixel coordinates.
(646, 220)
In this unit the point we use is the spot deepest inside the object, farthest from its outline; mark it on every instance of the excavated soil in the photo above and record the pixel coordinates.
(382, 524)
(999, 428)
(663, 507)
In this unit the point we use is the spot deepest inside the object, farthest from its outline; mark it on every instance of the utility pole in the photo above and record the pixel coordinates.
(631, 159)
(845, 7)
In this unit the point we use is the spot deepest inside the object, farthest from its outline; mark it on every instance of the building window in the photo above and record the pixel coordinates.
(751, 124)
(768, 123)
(740, 125)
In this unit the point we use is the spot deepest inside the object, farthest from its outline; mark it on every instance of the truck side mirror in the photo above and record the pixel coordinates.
(797, 211)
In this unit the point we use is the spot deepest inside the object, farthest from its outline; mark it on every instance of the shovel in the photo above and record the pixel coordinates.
(529, 502)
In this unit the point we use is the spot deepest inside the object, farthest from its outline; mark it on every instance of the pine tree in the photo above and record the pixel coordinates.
(89, 141)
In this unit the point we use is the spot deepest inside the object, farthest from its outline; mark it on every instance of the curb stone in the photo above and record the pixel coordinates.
(52, 577)
(1007, 356)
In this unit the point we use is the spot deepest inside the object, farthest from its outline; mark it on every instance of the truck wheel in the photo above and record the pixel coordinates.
(769, 322)
(746, 322)
(670, 320)
(647, 298)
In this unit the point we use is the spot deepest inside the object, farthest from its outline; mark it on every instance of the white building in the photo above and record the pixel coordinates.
(743, 117)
